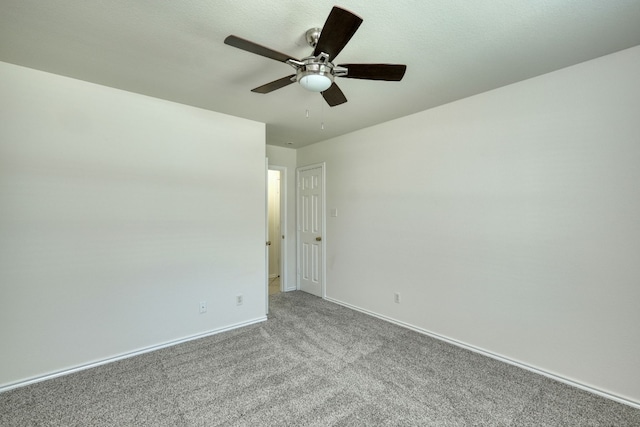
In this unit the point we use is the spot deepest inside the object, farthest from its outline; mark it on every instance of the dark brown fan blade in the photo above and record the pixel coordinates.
(340, 26)
(389, 72)
(252, 47)
(276, 84)
(334, 95)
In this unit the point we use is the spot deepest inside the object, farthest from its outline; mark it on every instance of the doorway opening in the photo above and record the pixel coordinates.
(276, 215)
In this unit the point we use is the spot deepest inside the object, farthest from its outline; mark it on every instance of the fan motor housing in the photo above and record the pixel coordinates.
(311, 66)
(317, 65)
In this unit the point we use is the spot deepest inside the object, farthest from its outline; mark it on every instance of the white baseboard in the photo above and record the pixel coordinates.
(491, 355)
(56, 374)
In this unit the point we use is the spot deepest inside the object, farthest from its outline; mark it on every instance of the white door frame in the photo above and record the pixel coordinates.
(283, 226)
(323, 246)
(266, 236)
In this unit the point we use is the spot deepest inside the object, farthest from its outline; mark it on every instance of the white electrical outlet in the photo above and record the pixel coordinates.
(203, 307)
(239, 299)
(396, 298)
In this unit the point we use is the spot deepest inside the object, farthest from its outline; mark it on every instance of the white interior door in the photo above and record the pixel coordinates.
(310, 229)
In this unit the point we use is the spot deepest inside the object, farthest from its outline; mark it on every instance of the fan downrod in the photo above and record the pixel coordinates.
(312, 35)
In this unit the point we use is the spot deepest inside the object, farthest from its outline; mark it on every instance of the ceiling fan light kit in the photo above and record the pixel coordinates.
(315, 82)
(317, 72)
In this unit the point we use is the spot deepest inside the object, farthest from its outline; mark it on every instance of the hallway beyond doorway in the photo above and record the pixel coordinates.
(274, 285)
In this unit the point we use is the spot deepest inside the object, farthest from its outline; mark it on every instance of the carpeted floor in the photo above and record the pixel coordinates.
(312, 363)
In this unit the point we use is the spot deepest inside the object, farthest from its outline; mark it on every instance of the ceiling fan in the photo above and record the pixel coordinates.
(317, 72)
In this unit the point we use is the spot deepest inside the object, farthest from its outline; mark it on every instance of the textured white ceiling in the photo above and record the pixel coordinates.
(174, 50)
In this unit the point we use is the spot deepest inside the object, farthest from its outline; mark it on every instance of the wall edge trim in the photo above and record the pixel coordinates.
(149, 349)
(495, 356)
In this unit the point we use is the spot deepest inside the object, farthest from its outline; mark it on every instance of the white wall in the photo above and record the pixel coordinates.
(508, 221)
(286, 158)
(118, 214)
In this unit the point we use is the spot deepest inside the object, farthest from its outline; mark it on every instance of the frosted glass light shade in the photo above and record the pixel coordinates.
(315, 82)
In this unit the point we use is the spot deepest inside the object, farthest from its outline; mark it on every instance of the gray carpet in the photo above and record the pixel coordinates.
(313, 363)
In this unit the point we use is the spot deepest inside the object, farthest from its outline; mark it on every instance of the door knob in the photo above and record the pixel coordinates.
(268, 242)
(318, 239)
